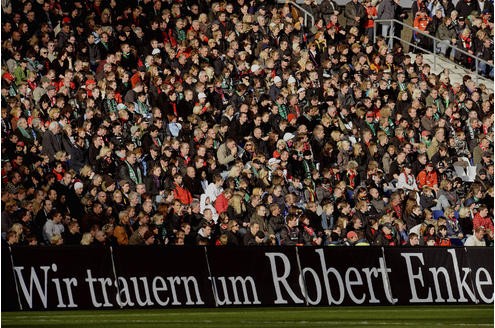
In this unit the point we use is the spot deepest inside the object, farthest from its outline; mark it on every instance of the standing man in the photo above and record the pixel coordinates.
(354, 14)
(387, 10)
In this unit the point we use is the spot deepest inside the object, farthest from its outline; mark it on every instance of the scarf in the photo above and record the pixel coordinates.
(390, 240)
(309, 230)
(136, 177)
(351, 176)
(24, 133)
(312, 194)
(157, 142)
(112, 105)
(409, 179)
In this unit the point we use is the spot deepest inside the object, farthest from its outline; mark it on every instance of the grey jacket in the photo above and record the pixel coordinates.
(446, 32)
(387, 9)
(353, 10)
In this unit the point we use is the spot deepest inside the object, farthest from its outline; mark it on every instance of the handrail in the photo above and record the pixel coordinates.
(305, 12)
(435, 41)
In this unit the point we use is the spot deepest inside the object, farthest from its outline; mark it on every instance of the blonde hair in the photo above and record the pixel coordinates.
(236, 202)
(85, 170)
(59, 154)
(351, 165)
(156, 218)
(234, 172)
(87, 239)
(55, 239)
(17, 228)
(103, 151)
(464, 212)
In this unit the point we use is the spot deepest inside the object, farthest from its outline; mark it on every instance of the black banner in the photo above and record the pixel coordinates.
(481, 263)
(345, 276)
(455, 275)
(162, 277)
(58, 278)
(255, 276)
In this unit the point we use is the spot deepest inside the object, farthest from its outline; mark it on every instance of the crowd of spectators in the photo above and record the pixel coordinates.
(232, 123)
(467, 26)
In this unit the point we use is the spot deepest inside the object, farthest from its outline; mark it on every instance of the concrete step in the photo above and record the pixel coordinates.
(457, 72)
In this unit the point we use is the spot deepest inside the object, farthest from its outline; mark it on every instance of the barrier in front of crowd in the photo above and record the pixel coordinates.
(58, 278)
(435, 41)
(407, 4)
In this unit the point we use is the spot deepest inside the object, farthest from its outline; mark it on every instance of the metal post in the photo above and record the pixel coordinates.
(476, 68)
(391, 36)
(374, 32)
(412, 45)
(434, 54)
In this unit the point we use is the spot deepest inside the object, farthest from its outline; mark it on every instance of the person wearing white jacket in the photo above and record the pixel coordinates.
(215, 188)
(406, 180)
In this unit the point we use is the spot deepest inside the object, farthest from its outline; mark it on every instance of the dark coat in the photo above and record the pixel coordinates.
(51, 144)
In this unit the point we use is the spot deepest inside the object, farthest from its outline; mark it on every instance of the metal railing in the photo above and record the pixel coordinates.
(436, 41)
(304, 11)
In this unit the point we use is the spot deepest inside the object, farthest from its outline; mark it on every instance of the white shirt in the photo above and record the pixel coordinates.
(473, 241)
(51, 228)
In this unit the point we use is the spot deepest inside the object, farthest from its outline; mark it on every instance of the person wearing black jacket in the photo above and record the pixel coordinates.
(485, 52)
(72, 236)
(276, 220)
(386, 237)
(290, 233)
(233, 236)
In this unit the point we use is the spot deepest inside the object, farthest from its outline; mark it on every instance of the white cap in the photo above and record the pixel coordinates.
(277, 79)
(301, 90)
(291, 79)
(288, 136)
(255, 68)
(155, 51)
(78, 185)
(201, 95)
(273, 161)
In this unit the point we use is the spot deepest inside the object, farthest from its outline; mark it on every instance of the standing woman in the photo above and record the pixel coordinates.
(371, 15)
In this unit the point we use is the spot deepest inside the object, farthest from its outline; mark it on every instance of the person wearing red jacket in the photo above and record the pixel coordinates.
(180, 192)
(222, 202)
(428, 177)
(482, 219)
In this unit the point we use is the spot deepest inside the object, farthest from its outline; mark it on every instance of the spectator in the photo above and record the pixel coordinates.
(477, 239)
(52, 227)
(387, 11)
(303, 119)
(481, 219)
(446, 32)
(52, 143)
(354, 14)
(72, 236)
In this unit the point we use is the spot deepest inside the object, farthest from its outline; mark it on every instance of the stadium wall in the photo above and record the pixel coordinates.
(57, 278)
